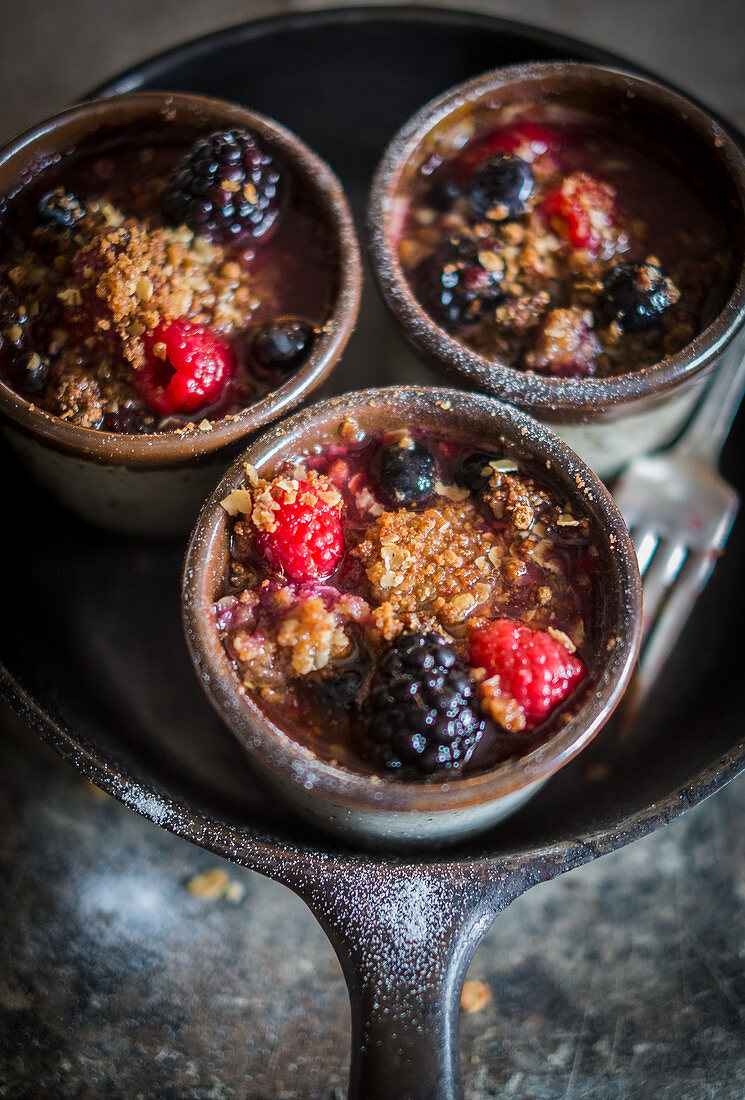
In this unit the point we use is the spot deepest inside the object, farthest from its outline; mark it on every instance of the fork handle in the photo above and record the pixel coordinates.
(712, 420)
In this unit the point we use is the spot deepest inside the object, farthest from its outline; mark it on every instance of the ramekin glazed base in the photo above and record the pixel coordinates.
(379, 810)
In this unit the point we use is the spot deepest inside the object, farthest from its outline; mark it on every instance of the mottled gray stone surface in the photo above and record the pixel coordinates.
(625, 978)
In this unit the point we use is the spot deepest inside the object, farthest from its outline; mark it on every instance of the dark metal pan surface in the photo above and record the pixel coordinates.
(91, 650)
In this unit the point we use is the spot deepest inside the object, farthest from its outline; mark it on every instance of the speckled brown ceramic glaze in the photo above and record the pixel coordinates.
(154, 484)
(377, 809)
(666, 119)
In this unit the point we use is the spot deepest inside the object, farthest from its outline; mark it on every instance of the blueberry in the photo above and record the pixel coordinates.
(500, 188)
(636, 295)
(344, 679)
(405, 472)
(474, 472)
(282, 344)
(29, 373)
(60, 210)
(459, 281)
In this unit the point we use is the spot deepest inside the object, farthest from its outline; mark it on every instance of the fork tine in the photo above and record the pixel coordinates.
(664, 631)
(658, 578)
(645, 541)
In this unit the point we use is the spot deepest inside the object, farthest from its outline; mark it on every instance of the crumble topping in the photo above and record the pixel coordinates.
(425, 563)
(314, 636)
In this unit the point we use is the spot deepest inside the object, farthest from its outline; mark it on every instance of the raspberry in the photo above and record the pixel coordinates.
(534, 669)
(226, 188)
(191, 370)
(581, 210)
(300, 531)
(418, 715)
(528, 140)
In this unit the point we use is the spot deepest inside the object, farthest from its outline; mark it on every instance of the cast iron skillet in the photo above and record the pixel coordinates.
(92, 653)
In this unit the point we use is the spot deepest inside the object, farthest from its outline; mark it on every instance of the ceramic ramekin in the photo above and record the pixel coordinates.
(377, 810)
(154, 484)
(607, 420)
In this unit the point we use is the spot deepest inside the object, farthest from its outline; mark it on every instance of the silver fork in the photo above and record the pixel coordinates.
(680, 512)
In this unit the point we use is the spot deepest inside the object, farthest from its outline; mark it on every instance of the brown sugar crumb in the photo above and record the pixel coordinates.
(259, 661)
(426, 562)
(208, 885)
(564, 343)
(215, 884)
(543, 594)
(283, 635)
(518, 500)
(521, 314)
(504, 710)
(475, 996)
(77, 397)
(313, 635)
(265, 507)
(386, 621)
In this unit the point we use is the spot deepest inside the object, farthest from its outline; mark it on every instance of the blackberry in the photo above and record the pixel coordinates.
(28, 372)
(226, 188)
(418, 717)
(474, 472)
(637, 294)
(282, 344)
(500, 188)
(129, 418)
(458, 281)
(15, 324)
(405, 472)
(60, 210)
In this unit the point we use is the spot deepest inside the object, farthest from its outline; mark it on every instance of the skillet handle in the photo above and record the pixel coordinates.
(404, 938)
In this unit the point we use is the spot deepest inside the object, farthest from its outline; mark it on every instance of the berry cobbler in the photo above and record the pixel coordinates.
(556, 244)
(147, 285)
(409, 605)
